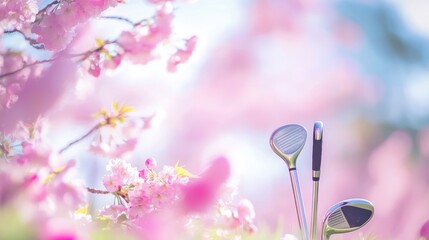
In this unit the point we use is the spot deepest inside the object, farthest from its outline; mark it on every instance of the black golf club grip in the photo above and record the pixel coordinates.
(317, 145)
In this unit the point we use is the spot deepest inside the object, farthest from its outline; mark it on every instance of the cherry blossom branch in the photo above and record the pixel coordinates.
(96, 191)
(93, 129)
(118, 18)
(124, 19)
(34, 43)
(42, 12)
(84, 56)
(27, 65)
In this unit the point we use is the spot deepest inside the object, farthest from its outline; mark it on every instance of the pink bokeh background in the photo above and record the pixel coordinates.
(259, 65)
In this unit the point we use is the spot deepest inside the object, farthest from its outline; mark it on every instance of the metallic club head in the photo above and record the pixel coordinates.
(288, 141)
(347, 216)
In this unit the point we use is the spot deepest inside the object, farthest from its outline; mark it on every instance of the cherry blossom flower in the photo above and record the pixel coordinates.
(116, 137)
(112, 62)
(114, 211)
(203, 192)
(424, 231)
(140, 43)
(94, 67)
(56, 27)
(150, 163)
(182, 55)
(10, 86)
(17, 14)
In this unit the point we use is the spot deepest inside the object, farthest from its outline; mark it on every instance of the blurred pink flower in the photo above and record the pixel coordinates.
(182, 55)
(139, 44)
(424, 231)
(117, 150)
(94, 65)
(150, 163)
(61, 229)
(112, 62)
(113, 211)
(56, 28)
(17, 14)
(41, 93)
(120, 174)
(52, 34)
(202, 193)
(11, 85)
(35, 156)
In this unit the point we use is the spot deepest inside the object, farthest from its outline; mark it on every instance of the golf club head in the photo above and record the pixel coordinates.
(347, 216)
(287, 142)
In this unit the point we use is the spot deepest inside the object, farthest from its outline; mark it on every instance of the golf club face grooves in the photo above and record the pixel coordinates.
(347, 216)
(288, 141)
(338, 220)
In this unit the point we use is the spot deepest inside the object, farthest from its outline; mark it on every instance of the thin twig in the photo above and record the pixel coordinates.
(93, 129)
(124, 19)
(34, 43)
(27, 65)
(42, 12)
(84, 56)
(96, 191)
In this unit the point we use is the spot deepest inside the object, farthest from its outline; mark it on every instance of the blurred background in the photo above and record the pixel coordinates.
(361, 67)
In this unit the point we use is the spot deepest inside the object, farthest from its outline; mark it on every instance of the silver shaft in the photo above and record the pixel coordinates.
(300, 211)
(314, 210)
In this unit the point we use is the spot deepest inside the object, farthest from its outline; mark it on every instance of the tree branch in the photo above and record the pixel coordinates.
(96, 191)
(118, 18)
(84, 56)
(42, 12)
(93, 129)
(27, 65)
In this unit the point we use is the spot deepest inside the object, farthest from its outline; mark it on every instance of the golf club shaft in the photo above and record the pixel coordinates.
(314, 210)
(299, 204)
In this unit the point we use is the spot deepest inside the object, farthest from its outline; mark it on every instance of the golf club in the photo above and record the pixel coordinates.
(287, 142)
(317, 158)
(347, 216)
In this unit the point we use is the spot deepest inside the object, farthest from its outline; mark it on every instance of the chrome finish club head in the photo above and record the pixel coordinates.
(347, 216)
(288, 141)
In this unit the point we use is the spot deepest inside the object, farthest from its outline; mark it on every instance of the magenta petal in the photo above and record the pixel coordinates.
(199, 195)
(424, 231)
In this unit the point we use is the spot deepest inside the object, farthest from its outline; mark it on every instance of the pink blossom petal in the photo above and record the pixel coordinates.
(94, 66)
(199, 195)
(424, 231)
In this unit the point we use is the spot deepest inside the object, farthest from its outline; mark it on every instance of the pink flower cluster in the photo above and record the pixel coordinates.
(140, 43)
(11, 85)
(35, 174)
(32, 174)
(115, 137)
(191, 200)
(17, 14)
(141, 192)
(240, 216)
(182, 55)
(55, 26)
(103, 60)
